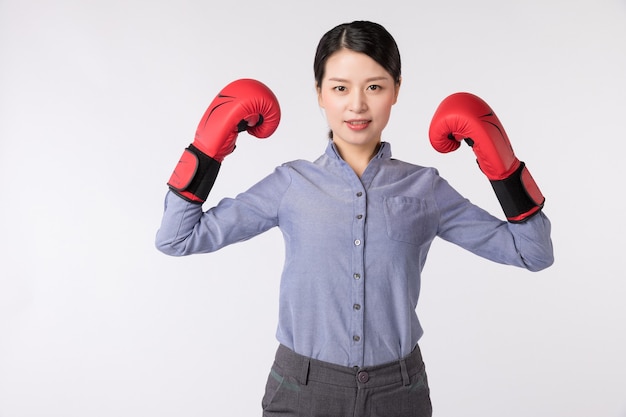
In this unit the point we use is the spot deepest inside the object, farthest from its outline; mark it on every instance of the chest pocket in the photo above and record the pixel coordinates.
(410, 219)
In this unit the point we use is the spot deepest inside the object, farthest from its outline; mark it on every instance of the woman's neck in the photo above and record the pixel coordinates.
(357, 157)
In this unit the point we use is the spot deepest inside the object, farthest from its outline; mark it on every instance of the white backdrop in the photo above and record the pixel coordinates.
(99, 98)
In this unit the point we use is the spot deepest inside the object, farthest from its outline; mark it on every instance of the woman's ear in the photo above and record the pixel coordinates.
(395, 100)
(318, 88)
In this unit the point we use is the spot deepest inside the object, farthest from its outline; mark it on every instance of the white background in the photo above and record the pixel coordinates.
(98, 100)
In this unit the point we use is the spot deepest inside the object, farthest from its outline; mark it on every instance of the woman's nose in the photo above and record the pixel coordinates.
(358, 103)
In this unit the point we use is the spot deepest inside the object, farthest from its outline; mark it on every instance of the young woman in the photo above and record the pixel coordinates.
(357, 226)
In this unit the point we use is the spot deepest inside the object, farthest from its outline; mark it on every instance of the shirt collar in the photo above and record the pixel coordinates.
(384, 152)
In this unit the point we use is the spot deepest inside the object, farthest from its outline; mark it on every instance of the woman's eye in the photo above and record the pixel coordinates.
(340, 88)
(374, 87)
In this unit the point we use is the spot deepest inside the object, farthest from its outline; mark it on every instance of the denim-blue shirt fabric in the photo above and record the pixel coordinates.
(354, 247)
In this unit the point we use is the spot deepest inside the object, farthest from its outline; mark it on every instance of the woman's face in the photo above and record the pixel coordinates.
(356, 95)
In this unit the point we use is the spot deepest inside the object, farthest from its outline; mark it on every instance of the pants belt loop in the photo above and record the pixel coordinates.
(304, 372)
(405, 373)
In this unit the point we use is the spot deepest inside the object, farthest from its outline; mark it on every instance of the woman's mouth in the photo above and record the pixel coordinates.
(357, 124)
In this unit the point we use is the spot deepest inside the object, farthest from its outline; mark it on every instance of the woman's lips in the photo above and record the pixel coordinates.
(357, 124)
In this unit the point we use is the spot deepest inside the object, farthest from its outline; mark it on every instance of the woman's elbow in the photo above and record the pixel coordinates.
(169, 247)
(539, 264)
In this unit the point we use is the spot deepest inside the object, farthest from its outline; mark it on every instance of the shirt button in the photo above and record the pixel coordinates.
(357, 242)
(359, 194)
(357, 306)
(363, 377)
(357, 276)
(359, 216)
(356, 338)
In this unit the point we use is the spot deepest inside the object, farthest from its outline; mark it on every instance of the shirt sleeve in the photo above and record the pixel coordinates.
(185, 229)
(527, 245)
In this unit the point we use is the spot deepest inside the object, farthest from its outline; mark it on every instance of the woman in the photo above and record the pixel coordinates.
(357, 226)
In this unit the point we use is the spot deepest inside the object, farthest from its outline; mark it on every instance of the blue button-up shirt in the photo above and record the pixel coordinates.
(354, 247)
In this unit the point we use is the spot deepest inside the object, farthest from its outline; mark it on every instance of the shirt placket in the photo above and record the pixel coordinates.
(358, 278)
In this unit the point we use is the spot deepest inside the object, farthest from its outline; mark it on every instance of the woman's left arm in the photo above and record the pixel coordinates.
(527, 244)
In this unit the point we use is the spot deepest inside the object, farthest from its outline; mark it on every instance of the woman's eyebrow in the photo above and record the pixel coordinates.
(377, 78)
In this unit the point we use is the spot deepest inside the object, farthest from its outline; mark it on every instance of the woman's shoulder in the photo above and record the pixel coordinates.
(411, 167)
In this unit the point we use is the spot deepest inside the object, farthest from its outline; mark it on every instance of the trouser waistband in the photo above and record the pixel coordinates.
(306, 369)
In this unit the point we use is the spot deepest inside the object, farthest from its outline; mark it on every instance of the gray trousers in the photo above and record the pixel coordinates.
(302, 387)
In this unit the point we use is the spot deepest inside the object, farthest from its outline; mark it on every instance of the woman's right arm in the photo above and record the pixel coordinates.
(185, 229)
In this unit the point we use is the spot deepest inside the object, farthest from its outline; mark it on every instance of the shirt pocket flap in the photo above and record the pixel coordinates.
(410, 219)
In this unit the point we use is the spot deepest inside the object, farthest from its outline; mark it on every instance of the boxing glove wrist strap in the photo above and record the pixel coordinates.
(196, 175)
(518, 195)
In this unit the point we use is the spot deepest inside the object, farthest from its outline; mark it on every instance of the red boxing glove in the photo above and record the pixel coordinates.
(244, 104)
(466, 117)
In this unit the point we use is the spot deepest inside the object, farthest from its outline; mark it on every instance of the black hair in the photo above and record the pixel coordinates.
(363, 36)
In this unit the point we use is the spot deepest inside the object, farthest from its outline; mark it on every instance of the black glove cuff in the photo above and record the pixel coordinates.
(203, 179)
(514, 198)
